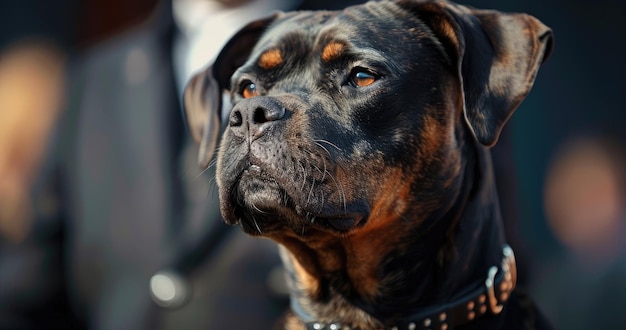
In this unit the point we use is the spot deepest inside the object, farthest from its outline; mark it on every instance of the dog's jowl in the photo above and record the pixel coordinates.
(359, 141)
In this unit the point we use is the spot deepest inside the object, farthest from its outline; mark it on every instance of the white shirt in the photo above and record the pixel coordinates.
(206, 25)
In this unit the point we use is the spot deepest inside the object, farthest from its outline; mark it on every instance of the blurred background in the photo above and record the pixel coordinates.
(38, 42)
(568, 164)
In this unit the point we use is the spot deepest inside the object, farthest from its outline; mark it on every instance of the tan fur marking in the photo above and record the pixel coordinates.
(433, 137)
(332, 51)
(371, 243)
(270, 59)
(449, 32)
(292, 322)
(308, 281)
(304, 263)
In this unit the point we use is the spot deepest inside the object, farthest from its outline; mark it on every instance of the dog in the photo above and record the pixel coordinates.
(359, 140)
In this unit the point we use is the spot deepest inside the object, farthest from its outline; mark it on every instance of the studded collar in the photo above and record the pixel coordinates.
(490, 297)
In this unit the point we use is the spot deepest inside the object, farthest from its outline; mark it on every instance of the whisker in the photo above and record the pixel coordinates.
(329, 143)
(257, 225)
(323, 172)
(321, 146)
(322, 200)
(213, 163)
(258, 210)
(201, 173)
(308, 199)
(213, 181)
(303, 176)
(342, 193)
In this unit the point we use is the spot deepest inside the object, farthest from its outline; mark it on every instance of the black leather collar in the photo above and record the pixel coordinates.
(489, 297)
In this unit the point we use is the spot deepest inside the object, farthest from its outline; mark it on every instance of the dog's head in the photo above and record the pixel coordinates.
(349, 121)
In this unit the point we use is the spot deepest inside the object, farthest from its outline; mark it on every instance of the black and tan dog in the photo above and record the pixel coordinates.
(358, 140)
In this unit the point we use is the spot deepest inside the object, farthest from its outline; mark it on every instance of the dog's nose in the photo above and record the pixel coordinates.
(253, 117)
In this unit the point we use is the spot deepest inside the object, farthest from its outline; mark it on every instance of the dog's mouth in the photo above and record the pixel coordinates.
(263, 204)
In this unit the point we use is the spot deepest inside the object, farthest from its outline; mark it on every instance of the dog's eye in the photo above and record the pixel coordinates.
(361, 78)
(249, 90)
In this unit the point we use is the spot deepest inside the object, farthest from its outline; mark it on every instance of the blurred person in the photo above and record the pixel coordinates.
(585, 198)
(35, 38)
(35, 41)
(126, 232)
(583, 286)
(31, 88)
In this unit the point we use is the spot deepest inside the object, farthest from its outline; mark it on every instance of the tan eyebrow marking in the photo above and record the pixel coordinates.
(270, 59)
(332, 51)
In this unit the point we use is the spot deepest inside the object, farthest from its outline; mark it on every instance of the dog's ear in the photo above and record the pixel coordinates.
(203, 93)
(496, 56)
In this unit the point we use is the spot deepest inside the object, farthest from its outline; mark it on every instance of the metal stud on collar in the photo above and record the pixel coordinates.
(324, 326)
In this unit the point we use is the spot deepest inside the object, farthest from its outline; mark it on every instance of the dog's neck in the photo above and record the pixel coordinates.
(450, 259)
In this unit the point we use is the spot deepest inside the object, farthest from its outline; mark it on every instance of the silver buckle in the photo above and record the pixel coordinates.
(508, 283)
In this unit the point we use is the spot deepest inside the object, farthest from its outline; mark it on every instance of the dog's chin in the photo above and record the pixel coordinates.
(262, 207)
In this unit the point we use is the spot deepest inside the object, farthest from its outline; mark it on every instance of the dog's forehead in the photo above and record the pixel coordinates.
(330, 33)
